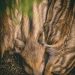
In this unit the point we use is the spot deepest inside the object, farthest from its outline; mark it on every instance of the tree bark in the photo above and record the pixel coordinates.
(49, 30)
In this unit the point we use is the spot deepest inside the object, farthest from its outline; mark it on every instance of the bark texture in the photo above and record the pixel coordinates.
(43, 44)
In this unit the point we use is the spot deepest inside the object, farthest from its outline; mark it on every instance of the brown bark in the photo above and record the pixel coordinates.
(49, 30)
(6, 33)
(58, 35)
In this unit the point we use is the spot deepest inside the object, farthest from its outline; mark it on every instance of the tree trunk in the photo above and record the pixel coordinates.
(50, 30)
(59, 34)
